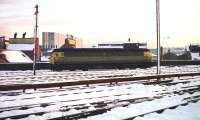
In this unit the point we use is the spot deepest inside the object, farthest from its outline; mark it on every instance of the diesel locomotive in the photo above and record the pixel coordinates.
(95, 58)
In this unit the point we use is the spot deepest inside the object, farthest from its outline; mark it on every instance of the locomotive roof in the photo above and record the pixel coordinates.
(99, 49)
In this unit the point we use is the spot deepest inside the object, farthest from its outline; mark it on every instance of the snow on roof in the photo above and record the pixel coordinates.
(16, 57)
(195, 56)
(20, 46)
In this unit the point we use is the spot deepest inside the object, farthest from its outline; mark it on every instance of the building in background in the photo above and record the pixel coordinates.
(195, 51)
(123, 45)
(25, 45)
(72, 42)
(51, 40)
(79, 43)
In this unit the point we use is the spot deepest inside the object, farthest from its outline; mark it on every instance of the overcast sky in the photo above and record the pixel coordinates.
(99, 21)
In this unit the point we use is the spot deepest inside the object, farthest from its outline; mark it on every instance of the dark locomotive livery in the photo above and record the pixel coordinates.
(95, 58)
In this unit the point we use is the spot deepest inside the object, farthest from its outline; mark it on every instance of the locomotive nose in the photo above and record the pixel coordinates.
(148, 56)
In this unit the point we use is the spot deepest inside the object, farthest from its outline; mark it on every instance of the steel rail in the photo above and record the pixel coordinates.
(101, 106)
(88, 82)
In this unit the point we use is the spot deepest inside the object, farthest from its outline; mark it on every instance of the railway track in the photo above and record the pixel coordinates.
(188, 100)
(70, 95)
(116, 80)
(95, 105)
(103, 107)
(100, 107)
(46, 76)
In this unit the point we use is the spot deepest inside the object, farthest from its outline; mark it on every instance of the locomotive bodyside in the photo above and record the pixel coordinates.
(86, 57)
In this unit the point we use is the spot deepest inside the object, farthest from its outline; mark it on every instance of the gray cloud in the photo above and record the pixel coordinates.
(15, 9)
(10, 1)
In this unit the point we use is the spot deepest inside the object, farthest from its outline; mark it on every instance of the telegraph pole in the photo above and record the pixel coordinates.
(35, 38)
(158, 34)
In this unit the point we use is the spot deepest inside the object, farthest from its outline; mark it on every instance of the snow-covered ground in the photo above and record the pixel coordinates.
(43, 76)
(50, 102)
(189, 112)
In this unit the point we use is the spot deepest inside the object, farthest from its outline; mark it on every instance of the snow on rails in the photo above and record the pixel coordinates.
(136, 99)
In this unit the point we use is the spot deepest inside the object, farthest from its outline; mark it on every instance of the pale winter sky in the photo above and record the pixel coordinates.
(99, 21)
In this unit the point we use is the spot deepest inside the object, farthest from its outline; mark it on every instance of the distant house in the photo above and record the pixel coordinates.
(21, 40)
(194, 48)
(122, 45)
(52, 40)
(72, 42)
(195, 51)
(25, 45)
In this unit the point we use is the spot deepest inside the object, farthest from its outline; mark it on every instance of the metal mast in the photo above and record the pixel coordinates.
(35, 38)
(158, 34)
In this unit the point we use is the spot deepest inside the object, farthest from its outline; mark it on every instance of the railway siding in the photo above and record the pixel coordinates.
(157, 79)
(57, 95)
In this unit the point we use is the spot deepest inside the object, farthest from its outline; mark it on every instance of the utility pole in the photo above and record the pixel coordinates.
(35, 38)
(158, 34)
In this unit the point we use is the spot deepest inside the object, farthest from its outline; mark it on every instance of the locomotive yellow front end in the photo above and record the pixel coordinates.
(56, 57)
(148, 56)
